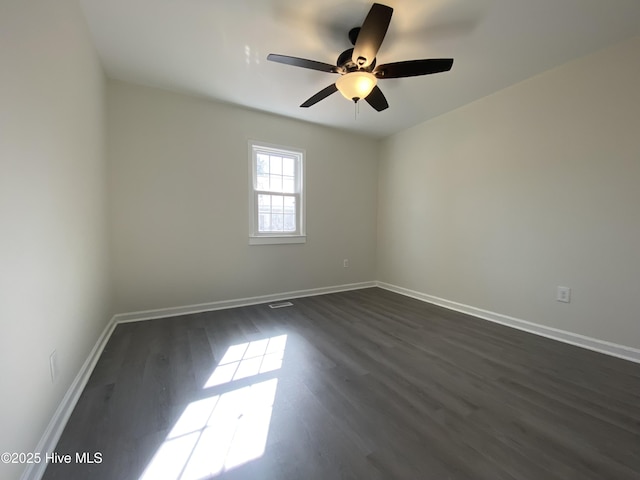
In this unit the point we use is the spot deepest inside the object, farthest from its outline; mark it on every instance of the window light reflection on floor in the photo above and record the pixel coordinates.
(226, 430)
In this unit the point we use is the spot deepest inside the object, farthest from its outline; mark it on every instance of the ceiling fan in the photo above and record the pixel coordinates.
(357, 66)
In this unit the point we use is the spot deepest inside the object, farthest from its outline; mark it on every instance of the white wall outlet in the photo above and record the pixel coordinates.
(345, 263)
(563, 294)
(53, 366)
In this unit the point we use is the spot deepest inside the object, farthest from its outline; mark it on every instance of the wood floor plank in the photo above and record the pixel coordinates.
(362, 384)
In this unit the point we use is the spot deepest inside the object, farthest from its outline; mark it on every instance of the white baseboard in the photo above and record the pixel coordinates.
(601, 346)
(239, 302)
(52, 433)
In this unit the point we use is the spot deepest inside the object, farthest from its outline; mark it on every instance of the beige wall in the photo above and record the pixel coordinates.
(497, 203)
(179, 202)
(53, 252)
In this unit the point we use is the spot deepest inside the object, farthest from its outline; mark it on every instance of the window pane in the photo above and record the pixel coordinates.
(290, 205)
(276, 223)
(264, 222)
(289, 223)
(264, 203)
(262, 166)
(288, 167)
(276, 183)
(277, 202)
(276, 165)
(288, 185)
(263, 182)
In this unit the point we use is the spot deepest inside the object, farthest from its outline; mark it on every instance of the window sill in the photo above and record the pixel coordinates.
(277, 240)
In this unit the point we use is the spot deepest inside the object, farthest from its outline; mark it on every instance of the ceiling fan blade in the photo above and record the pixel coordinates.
(413, 68)
(376, 99)
(321, 95)
(302, 62)
(371, 35)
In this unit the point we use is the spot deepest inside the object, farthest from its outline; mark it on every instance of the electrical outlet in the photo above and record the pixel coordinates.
(563, 294)
(53, 366)
(345, 263)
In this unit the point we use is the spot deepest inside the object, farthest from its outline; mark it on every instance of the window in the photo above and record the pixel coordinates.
(277, 200)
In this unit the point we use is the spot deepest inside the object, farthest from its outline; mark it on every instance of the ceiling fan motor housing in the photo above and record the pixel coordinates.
(345, 62)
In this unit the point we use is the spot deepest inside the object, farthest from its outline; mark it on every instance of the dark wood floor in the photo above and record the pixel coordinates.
(372, 385)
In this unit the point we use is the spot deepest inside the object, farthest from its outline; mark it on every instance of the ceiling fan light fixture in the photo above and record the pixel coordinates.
(356, 85)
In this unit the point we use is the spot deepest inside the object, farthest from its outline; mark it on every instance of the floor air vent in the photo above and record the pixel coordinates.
(280, 305)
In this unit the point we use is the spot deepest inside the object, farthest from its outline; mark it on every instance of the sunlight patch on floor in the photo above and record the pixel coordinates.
(226, 430)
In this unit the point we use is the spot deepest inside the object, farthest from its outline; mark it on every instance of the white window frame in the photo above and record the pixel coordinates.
(270, 238)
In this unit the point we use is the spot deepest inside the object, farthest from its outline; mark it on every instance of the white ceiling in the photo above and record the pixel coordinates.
(218, 48)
